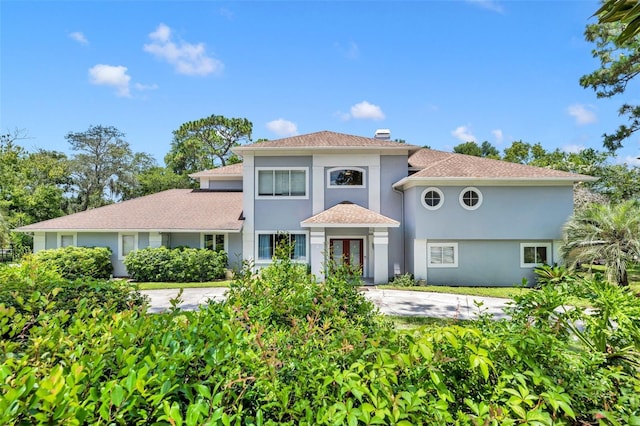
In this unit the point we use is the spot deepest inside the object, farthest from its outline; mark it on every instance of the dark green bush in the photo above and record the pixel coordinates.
(78, 262)
(176, 265)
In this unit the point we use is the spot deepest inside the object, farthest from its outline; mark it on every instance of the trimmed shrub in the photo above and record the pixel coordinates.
(22, 286)
(78, 262)
(176, 265)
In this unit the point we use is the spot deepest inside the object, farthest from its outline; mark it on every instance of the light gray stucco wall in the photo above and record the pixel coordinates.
(225, 185)
(282, 214)
(392, 169)
(506, 213)
(50, 240)
(178, 239)
(484, 263)
(235, 250)
(409, 226)
(359, 196)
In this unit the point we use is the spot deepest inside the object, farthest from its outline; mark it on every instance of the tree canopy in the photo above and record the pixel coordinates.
(617, 47)
(206, 143)
(103, 166)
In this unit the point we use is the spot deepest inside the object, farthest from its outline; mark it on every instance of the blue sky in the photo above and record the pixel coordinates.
(436, 73)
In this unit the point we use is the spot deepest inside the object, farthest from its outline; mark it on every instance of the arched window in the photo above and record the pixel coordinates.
(343, 177)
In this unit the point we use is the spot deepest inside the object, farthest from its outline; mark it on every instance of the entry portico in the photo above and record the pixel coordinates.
(352, 234)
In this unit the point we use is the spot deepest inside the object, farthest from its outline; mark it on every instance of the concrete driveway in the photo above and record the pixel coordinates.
(390, 302)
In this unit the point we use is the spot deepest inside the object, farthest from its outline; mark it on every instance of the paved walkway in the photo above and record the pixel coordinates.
(390, 302)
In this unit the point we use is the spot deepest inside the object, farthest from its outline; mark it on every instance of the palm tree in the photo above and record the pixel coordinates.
(606, 232)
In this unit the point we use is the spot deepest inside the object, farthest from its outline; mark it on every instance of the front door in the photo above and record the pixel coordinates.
(348, 251)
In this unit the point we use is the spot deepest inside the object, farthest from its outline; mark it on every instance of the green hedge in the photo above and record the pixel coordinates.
(78, 262)
(22, 286)
(176, 265)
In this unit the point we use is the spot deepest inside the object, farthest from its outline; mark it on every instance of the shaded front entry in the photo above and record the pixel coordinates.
(348, 251)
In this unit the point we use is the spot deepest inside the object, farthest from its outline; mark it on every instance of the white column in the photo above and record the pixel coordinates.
(204, 183)
(420, 259)
(155, 239)
(317, 252)
(374, 187)
(381, 256)
(248, 195)
(39, 241)
(317, 203)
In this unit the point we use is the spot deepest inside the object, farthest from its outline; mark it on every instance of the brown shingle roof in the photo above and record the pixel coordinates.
(351, 215)
(326, 139)
(438, 164)
(172, 210)
(230, 170)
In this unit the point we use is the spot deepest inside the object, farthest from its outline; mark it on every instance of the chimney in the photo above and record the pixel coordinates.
(383, 134)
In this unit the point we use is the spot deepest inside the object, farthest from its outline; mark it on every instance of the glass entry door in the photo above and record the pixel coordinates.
(348, 251)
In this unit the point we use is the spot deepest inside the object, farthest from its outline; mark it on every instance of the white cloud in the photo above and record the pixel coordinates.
(187, 58)
(463, 133)
(282, 127)
(142, 87)
(110, 75)
(573, 148)
(488, 4)
(583, 114)
(629, 160)
(366, 111)
(497, 134)
(79, 37)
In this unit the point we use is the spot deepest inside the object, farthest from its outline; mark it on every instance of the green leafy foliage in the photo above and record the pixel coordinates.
(404, 280)
(78, 262)
(287, 349)
(26, 287)
(176, 265)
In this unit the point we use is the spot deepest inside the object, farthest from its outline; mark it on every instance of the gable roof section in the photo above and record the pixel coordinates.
(350, 215)
(175, 210)
(452, 166)
(326, 140)
(225, 171)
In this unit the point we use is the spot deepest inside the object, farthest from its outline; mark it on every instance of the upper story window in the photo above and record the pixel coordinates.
(340, 177)
(282, 182)
(432, 198)
(470, 198)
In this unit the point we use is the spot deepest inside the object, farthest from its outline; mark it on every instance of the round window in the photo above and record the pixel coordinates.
(470, 198)
(432, 198)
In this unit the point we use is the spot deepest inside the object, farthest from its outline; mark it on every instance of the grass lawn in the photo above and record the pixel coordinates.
(166, 285)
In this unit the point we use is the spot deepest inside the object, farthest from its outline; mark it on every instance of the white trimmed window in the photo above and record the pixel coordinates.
(534, 254)
(67, 240)
(442, 255)
(470, 198)
(341, 177)
(127, 242)
(282, 182)
(267, 243)
(216, 242)
(432, 198)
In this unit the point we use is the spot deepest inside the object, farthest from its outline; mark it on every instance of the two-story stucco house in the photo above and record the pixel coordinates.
(384, 206)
